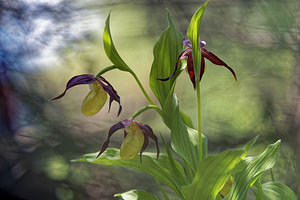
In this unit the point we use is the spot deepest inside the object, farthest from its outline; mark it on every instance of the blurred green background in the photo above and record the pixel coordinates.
(45, 43)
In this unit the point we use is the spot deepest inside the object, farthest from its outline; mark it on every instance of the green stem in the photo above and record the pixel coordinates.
(144, 108)
(199, 119)
(142, 88)
(162, 190)
(106, 69)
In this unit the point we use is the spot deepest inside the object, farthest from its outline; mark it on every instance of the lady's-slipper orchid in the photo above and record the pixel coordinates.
(187, 53)
(97, 97)
(136, 138)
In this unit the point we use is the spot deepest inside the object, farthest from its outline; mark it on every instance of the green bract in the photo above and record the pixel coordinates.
(193, 34)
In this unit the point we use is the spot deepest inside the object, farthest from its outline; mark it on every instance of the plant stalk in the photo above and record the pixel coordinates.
(142, 88)
(144, 108)
(106, 70)
(199, 119)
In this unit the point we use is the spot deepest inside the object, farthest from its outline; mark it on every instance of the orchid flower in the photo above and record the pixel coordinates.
(136, 138)
(187, 53)
(97, 97)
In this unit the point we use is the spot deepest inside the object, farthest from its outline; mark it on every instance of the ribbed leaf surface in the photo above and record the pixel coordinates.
(161, 169)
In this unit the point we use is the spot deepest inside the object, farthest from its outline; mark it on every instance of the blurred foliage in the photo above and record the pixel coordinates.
(44, 43)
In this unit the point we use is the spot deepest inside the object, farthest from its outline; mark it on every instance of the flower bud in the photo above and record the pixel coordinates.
(227, 187)
(133, 142)
(95, 99)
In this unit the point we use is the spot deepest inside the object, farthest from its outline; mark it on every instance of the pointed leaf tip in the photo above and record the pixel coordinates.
(110, 49)
(193, 34)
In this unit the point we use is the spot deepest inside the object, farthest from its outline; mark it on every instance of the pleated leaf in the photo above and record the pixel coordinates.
(249, 145)
(160, 169)
(110, 49)
(254, 167)
(277, 191)
(212, 174)
(175, 170)
(193, 34)
(186, 119)
(166, 51)
(136, 195)
(184, 140)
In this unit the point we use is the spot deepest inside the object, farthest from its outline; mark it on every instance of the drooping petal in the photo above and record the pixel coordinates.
(120, 125)
(202, 70)
(77, 80)
(190, 68)
(111, 92)
(148, 131)
(125, 133)
(183, 55)
(217, 61)
(145, 144)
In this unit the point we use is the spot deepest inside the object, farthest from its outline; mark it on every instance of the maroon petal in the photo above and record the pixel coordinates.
(77, 80)
(125, 133)
(217, 61)
(183, 55)
(190, 67)
(113, 95)
(148, 131)
(202, 67)
(145, 144)
(120, 125)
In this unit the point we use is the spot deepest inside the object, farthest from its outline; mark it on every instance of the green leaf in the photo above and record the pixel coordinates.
(193, 34)
(212, 174)
(277, 191)
(136, 195)
(176, 171)
(249, 145)
(181, 141)
(160, 169)
(258, 186)
(166, 51)
(193, 136)
(184, 140)
(254, 167)
(186, 119)
(110, 49)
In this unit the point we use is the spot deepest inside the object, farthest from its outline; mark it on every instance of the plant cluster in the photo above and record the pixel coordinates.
(227, 175)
